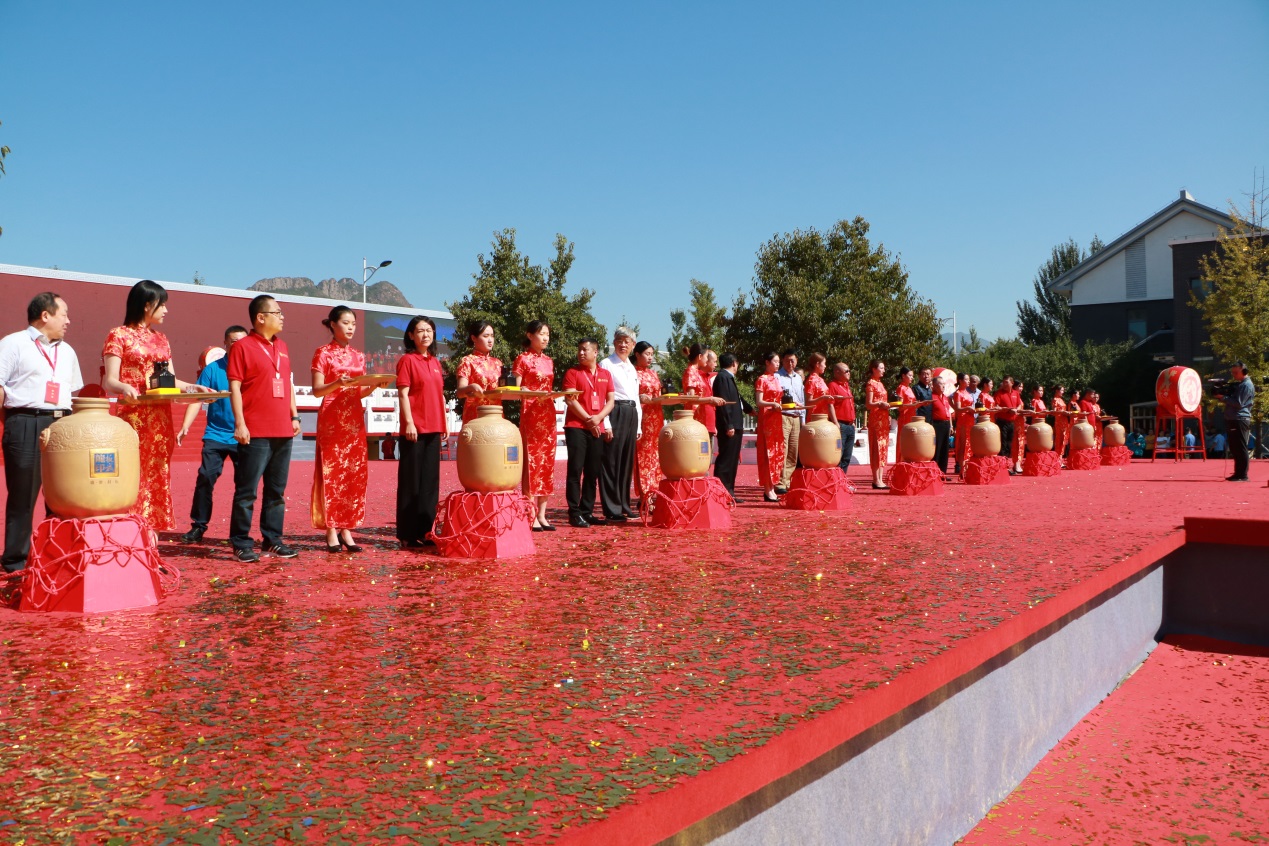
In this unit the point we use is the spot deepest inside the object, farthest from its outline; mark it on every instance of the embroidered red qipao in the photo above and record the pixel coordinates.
(878, 424)
(964, 423)
(1061, 425)
(697, 383)
(647, 459)
(482, 370)
(339, 474)
(537, 422)
(137, 350)
(771, 445)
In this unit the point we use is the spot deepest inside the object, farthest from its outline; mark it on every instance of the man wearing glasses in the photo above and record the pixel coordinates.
(265, 423)
(845, 408)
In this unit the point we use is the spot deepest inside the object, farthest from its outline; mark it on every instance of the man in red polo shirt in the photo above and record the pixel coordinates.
(1008, 398)
(585, 431)
(844, 407)
(265, 424)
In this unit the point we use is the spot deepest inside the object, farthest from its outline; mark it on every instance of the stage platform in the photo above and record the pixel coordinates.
(883, 674)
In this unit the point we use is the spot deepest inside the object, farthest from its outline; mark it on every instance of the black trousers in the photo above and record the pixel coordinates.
(1006, 438)
(418, 486)
(585, 466)
(848, 444)
(267, 459)
(942, 431)
(21, 445)
(728, 460)
(1237, 434)
(619, 453)
(214, 455)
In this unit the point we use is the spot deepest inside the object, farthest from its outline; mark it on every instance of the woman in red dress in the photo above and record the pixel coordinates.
(479, 371)
(903, 393)
(962, 400)
(647, 459)
(129, 355)
(767, 394)
(338, 501)
(536, 372)
(1061, 421)
(424, 425)
(815, 387)
(878, 422)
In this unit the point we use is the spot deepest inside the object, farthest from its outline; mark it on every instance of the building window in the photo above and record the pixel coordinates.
(1137, 324)
(1135, 270)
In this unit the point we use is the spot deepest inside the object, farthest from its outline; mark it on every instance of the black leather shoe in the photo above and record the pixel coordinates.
(579, 522)
(620, 518)
(194, 535)
(595, 521)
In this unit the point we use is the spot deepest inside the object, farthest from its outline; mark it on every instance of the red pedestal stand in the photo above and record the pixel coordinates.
(1042, 464)
(93, 565)
(485, 525)
(1083, 459)
(701, 503)
(818, 489)
(987, 470)
(1116, 456)
(915, 478)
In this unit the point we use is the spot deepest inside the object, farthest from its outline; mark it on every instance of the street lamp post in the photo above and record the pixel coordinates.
(956, 339)
(368, 270)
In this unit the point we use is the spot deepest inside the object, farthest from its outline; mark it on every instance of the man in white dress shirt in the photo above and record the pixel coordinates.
(626, 420)
(38, 374)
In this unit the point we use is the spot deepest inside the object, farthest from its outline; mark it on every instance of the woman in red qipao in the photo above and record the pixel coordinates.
(815, 387)
(878, 422)
(536, 372)
(129, 355)
(479, 371)
(647, 459)
(767, 394)
(338, 500)
(904, 394)
(963, 402)
(1061, 422)
(424, 425)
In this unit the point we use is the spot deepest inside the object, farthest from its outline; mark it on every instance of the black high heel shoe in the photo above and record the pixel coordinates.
(351, 547)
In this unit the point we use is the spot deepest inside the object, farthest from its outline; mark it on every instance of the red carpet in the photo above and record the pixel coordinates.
(1178, 754)
(399, 697)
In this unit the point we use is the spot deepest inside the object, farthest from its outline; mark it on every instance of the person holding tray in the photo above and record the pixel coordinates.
(1061, 420)
(816, 387)
(479, 371)
(963, 401)
(536, 372)
(647, 458)
(878, 422)
(129, 354)
(340, 474)
(768, 393)
(424, 424)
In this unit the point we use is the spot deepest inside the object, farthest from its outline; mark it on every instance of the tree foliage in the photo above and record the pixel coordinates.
(708, 320)
(1049, 317)
(1236, 308)
(509, 291)
(832, 292)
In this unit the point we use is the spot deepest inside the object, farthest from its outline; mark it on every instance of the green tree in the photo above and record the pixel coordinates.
(708, 320)
(509, 291)
(1236, 308)
(832, 292)
(1049, 317)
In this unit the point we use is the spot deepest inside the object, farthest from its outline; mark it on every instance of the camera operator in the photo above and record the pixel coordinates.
(1238, 394)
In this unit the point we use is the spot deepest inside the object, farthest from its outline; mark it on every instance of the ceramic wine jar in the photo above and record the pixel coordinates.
(683, 447)
(1039, 437)
(90, 462)
(916, 441)
(489, 452)
(1083, 436)
(820, 442)
(1113, 434)
(984, 438)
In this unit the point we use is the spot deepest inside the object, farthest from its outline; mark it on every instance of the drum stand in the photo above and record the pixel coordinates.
(1178, 449)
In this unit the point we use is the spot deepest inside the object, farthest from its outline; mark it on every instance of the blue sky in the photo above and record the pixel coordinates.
(669, 141)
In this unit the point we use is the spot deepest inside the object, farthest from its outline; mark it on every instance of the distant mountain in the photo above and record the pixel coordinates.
(952, 339)
(345, 289)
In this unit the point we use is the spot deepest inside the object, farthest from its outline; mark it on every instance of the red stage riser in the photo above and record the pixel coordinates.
(818, 489)
(987, 470)
(1084, 459)
(485, 525)
(1043, 464)
(701, 503)
(93, 565)
(915, 478)
(1116, 456)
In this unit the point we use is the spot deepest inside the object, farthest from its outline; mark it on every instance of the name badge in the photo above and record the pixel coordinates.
(52, 393)
(278, 388)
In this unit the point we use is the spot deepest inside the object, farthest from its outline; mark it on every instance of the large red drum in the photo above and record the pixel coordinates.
(1178, 390)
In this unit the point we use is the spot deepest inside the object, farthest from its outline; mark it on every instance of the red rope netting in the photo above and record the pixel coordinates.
(678, 502)
(1083, 459)
(1042, 464)
(469, 520)
(816, 488)
(1116, 456)
(909, 478)
(63, 550)
(986, 469)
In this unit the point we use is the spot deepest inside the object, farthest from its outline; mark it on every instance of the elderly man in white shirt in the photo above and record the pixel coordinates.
(38, 374)
(626, 420)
